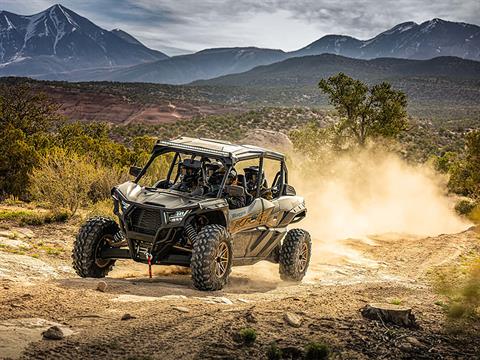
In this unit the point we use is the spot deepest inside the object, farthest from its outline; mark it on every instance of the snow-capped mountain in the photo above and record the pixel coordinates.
(408, 40)
(58, 44)
(60, 36)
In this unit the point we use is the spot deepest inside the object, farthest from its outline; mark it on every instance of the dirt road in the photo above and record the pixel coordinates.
(169, 319)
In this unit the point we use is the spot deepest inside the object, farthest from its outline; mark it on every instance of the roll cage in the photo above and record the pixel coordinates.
(227, 153)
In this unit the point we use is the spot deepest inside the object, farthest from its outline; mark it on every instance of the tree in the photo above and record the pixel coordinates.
(366, 112)
(24, 116)
(24, 109)
(465, 174)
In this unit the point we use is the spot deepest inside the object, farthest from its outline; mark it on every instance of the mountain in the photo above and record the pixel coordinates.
(58, 44)
(126, 36)
(408, 40)
(58, 39)
(307, 70)
(204, 64)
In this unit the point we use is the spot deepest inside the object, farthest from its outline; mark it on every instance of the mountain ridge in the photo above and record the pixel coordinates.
(67, 37)
(59, 44)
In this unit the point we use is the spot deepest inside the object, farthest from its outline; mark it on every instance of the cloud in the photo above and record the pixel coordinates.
(178, 26)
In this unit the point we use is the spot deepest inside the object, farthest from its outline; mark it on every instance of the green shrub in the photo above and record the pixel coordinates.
(14, 215)
(248, 335)
(274, 352)
(101, 208)
(40, 218)
(465, 207)
(63, 180)
(316, 351)
(461, 285)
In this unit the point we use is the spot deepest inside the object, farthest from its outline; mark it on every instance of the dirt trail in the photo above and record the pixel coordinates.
(172, 320)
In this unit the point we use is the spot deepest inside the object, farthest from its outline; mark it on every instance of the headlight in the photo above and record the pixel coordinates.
(124, 206)
(177, 216)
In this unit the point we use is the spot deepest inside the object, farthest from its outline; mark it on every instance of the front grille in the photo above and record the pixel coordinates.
(146, 221)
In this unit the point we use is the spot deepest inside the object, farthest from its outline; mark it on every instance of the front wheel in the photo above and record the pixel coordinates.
(94, 235)
(295, 255)
(211, 258)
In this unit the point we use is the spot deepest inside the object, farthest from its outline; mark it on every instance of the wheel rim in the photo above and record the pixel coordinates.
(222, 258)
(303, 257)
(105, 240)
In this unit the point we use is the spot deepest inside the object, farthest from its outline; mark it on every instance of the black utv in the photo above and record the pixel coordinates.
(212, 208)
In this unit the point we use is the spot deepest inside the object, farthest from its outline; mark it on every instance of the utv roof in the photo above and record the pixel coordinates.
(216, 149)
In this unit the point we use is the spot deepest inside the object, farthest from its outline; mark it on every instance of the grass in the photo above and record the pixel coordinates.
(396, 302)
(317, 351)
(248, 335)
(34, 217)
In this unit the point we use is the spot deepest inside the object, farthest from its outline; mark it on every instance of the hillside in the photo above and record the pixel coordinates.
(308, 69)
(204, 64)
(444, 87)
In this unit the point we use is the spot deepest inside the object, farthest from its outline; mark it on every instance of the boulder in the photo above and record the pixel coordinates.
(293, 319)
(53, 333)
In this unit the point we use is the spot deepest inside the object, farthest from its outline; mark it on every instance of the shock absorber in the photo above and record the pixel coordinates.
(190, 233)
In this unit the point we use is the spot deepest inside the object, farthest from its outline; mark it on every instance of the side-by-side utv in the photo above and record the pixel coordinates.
(167, 222)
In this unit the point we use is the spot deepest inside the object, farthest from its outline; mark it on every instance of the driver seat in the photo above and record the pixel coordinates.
(243, 183)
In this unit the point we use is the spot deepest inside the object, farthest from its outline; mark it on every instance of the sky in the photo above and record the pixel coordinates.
(184, 26)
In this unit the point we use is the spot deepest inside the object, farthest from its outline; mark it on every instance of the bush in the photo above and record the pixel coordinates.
(465, 207)
(248, 335)
(35, 218)
(63, 180)
(274, 352)
(102, 208)
(316, 351)
(104, 180)
(461, 285)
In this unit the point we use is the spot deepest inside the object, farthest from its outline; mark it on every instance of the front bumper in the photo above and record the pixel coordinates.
(150, 229)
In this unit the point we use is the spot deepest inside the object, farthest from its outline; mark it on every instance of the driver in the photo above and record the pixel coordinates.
(251, 177)
(190, 175)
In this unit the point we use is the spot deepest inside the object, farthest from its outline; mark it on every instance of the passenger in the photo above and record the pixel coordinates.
(234, 202)
(215, 181)
(251, 177)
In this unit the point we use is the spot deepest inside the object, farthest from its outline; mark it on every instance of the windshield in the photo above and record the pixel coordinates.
(191, 174)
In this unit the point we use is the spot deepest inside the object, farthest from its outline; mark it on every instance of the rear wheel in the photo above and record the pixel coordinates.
(211, 258)
(295, 255)
(94, 235)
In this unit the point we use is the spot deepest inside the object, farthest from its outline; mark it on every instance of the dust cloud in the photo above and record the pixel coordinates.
(371, 193)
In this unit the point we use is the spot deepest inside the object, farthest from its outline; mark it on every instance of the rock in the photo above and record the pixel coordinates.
(405, 346)
(127, 316)
(27, 232)
(13, 243)
(181, 309)
(250, 317)
(215, 300)
(292, 319)
(17, 334)
(389, 313)
(53, 333)
(413, 341)
(102, 286)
